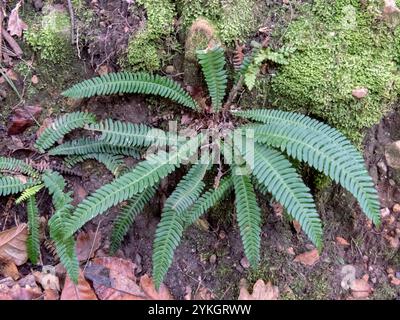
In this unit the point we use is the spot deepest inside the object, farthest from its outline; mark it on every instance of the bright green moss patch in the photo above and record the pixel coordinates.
(340, 47)
(49, 36)
(233, 19)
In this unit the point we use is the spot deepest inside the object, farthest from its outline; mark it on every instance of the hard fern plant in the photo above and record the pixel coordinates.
(244, 150)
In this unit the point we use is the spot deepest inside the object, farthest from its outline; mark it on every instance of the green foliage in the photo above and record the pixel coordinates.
(61, 127)
(50, 36)
(11, 185)
(33, 241)
(29, 193)
(127, 216)
(340, 47)
(17, 166)
(125, 82)
(212, 63)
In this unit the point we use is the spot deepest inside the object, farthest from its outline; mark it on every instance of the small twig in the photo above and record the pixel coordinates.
(72, 18)
(233, 94)
(1, 31)
(12, 43)
(92, 247)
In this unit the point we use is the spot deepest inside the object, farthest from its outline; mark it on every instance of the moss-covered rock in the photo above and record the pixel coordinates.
(340, 47)
(49, 35)
(233, 19)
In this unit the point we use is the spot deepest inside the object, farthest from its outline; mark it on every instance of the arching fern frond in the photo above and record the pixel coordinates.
(65, 245)
(61, 127)
(125, 134)
(127, 215)
(326, 155)
(18, 166)
(248, 216)
(126, 82)
(209, 199)
(277, 174)
(28, 193)
(146, 174)
(170, 229)
(33, 241)
(212, 61)
(11, 185)
(89, 145)
(114, 163)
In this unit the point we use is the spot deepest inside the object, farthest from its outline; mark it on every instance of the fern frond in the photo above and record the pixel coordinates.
(65, 246)
(248, 216)
(33, 241)
(16, 165)
(61, 127)
(28, 193)
(125, 134)
(170, 229)
(212, 63)
(336, 158)
(114, 163)
(277, 174)
(146, 174)
(208, 200)
(126, 82)
(127, 215)
(88, 145)
(11, 185)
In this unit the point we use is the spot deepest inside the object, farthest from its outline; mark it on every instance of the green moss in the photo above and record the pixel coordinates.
(340, 47)
(143, 52)
(233, 19)
(49, 36)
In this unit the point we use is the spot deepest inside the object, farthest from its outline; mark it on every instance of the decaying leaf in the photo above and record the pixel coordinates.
(9, 269)
(87, 243)
(261, 291)
(81, 291)
(147, 285)
(308, 258)
(23, 118)
(342, 242)
(13, 244)
(203, 293)
(360, 288)
(47, 278)
(24, 289)
(15, 24)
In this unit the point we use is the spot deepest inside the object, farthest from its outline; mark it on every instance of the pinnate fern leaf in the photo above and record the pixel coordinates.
(126, 82)
(33, 241)
(248, 216)
(18, 166)
(146, 174)
(85, 146)
(277, 174)
(11, 185)
(28, 193)
(114, 163)
(127, 216)
(212, 61)
(170, 229)
(61, 127)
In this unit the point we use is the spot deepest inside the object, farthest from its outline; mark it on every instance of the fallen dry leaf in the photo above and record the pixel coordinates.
(9, 269)
(147, 285)
(261, 291)
(87, 243)
(296, 226)
(15, 24)
(390, 7)
(24, 289)
(47, 278)
(360, 288)
(394, 280)
(46, 123)
(342, 242)
(22, 118)
(203, 293)
(50, 294)
(308, 258)
(10, 73)
(81, 291)
(13, 244)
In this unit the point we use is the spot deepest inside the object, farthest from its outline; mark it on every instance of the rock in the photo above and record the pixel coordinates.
(213, 259)
(382, 167)
(245, 263)
(392, 154)
(290, 251)
(385, 212)
(396, 208)
(170, 69)
(35, 79)
(360, 93)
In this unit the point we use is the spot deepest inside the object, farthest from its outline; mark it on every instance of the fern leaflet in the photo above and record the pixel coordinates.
(16, 165)
(33, 241)
(28, 193)
(114, 163)
(11, 185)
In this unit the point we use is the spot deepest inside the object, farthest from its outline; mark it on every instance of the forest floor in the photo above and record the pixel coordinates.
(210, 263)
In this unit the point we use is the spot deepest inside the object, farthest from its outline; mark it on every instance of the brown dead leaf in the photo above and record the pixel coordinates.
(50, 294)
(87, 243)
(296, 226)
(81, 291)
(46, 123)
(9, 269)
(261, 291)
(147, 285)
(23, 118)
(15, 24)
(47, 278)
(308, 258)
(360, 288)
(24, 289)
(394, 280)
(13, 244)
(203, 293)
(10, 73)
(278, 209)
(342, 242)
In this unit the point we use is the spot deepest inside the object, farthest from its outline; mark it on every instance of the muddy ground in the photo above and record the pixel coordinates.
(211, 258)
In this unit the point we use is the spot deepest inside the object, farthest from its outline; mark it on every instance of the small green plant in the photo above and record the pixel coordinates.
(251, 158)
